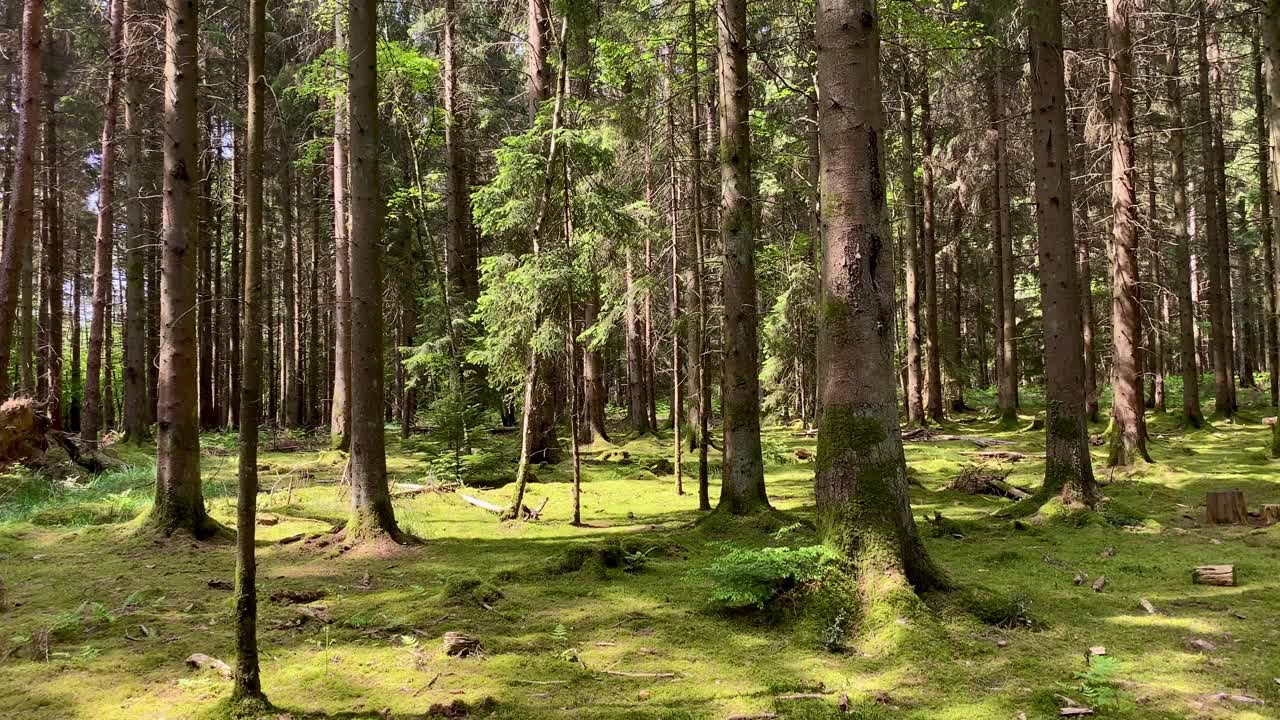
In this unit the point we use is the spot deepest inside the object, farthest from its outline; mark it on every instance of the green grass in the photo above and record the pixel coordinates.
(552, 613)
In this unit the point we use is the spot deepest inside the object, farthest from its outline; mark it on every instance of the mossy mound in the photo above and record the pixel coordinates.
(93, 512)
(996, 608)
(660, 467)
(463, 590)
(618, 457)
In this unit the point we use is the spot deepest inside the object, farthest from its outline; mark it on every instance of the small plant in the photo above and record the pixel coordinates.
(835, 635)
(749, 577)
(786, 531)
(560, 634)
(1098, 683)
(633, 561)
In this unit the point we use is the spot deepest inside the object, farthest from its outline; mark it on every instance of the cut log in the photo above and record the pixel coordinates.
(481, 504)
(1224, 575)
(1005, 455)
(1225, 507)
(459, 645)
(200, 661)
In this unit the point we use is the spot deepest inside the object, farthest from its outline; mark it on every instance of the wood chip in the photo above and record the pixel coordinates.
(1146, 605)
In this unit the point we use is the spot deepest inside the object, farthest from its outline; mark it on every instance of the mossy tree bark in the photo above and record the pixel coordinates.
(19, 225)
(1129, 427)
(1192, 416)
(742, 488)
(861, 482)
(1068, 467)
(179, 501)
(248, 684)
(371, 512)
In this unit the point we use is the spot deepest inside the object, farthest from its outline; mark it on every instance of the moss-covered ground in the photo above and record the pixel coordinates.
(99, 617)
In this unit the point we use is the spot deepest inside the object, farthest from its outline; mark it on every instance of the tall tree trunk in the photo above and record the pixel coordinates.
(929, 249)
(1218, 325)
(234, 304)
(314, 339)
(204, 285)
(52, 281)
(911, 242)
(861, 483)
(593, 373)
(457, 203)
(27, 308)
(19, 226)
(1129, 428)
(1068, 468)
(371, 512)
(697, 371)
(136, 413)
(179, 503)
(742, 489)
(289, 390)
(1008, 350)
(637, 377)
(248, 683)
(91, 421)
(1271, 72)
(339, 432)
(77, 285)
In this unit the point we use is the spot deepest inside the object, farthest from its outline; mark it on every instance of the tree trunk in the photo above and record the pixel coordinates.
(593, 373)
(457, 203)
(1188, 342)
(371, 512)
(136, 420)
(289, 390)
(1129, 428)
(1068, 469)
(861, 483)
(52, 282)
(1218, 324)
(179, 503)
(742, 489)
(637, 387)
(911, 242)
(697, 372)
(929, 247)
(338, 418)
(19, 226)
(1008, 350)
(1271, 58)
(248, 684)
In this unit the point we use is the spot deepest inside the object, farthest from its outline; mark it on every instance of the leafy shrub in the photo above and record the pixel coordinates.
(748, 577)
(1098, 683)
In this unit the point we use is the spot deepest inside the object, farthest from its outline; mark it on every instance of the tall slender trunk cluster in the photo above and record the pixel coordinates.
(137, 411)
(911, 243)
(1219, 312)
(1007, 350)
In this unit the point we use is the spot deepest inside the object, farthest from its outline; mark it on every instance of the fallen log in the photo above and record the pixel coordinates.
(481, 504)
(525, 512)
(1006, 455)
(1270, 514)
(983, 480)
(643, 675)
(459, 645)
(1222, 575)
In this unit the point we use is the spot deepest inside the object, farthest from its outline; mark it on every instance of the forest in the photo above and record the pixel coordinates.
(639, 360)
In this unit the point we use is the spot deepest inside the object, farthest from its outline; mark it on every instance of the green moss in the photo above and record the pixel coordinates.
(996, 608)
(845, 430)
(470, 590)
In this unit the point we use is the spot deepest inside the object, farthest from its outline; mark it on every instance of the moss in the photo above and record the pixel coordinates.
(834, 309)
(996, 608)
(240, 708)
(470, 590)
(845, 430)
(98, 512)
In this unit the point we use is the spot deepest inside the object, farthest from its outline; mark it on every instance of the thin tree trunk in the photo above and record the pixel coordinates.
(52, 281)
(1068, 468)
(929, 250)
(289, 389)
(911, 241)
(19, 226)
(248, 683)
(338, 419)
(136, 420)
(1218, 340)
(1271, 73)
(1008, 349)
(742, 489)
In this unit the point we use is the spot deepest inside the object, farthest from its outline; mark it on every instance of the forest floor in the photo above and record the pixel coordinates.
(99, 618)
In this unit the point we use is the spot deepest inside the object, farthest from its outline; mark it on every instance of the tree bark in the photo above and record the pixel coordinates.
(52, 281)
(929, 248)
(911, 241)
(1068, 468)
(1008, 350)
(290, 391)
(1129, 428)
(19, 226)
(371, 512)
(861, 482)
(248, 683)
(136, 412)
(1271, 58)
(341, 401)
(179, 503)
(742, 489)
(1188, 342)
(1218, 323)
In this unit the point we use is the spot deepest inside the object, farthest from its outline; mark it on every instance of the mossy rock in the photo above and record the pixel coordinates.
(661, 467)
(1056, 512)
(1122, 515)
(618, 457)
(470, 590)
(996, 608)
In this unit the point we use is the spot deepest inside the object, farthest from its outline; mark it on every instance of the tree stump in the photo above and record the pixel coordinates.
(1270, 514)
(460, 645)
(1226, 507)
(1224, 575)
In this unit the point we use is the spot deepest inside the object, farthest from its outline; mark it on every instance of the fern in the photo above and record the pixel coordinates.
(749, 577)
